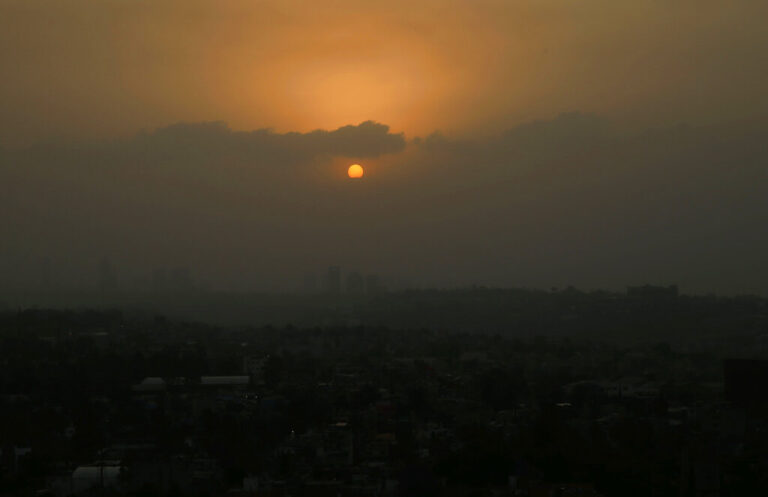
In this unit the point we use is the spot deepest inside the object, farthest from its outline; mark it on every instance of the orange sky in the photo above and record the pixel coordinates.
(87, 69)
(561, 150)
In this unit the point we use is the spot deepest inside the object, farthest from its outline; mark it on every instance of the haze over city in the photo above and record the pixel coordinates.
(524, 144)
(358, 248)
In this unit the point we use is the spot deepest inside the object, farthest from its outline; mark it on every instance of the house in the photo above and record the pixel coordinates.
(98, 474)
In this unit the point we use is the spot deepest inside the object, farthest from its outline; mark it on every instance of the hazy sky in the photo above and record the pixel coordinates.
(538, 143)
(85, 68)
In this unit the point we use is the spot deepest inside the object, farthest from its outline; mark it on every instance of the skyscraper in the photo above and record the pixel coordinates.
(355, 283)
(107, 276)
(332, 281)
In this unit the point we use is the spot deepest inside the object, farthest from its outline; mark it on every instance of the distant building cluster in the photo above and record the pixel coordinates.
(652, 291)
(334, 282)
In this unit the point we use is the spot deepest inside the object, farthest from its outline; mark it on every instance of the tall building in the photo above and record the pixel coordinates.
(373, 284)
(181, 280)
(159, 280)
(745, 381)
(107, 276)
(45, 274)
(355, 283)
(332, 281)
(310, 283)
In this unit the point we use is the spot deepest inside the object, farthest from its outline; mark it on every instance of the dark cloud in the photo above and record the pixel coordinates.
(186, 191)
(572, 200)
(195, 146)
(367, 139)
(579, 200)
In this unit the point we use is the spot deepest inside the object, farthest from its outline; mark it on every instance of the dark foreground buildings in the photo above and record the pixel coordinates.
(112, 403)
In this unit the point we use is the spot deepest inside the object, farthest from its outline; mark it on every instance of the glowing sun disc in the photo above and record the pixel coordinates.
(355, 171)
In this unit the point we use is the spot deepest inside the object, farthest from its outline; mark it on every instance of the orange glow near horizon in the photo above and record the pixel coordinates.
(355, 171)
(391, 88)
(460, 68)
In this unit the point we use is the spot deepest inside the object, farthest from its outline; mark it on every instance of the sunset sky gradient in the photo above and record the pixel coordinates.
(82, 68)
(540, 143)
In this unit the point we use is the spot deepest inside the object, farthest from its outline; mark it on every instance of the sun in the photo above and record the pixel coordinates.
(355, 171)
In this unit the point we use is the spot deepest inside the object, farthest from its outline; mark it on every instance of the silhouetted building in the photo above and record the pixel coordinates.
(310, 283)
(254, 366)
(652, 291)
(746, 380)
(181, 280)
(355, 283)
(107, 276)
(231, 382)
(99, 475)
(373, 284)
(159, 280)
(45, 274)
(332, 282)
